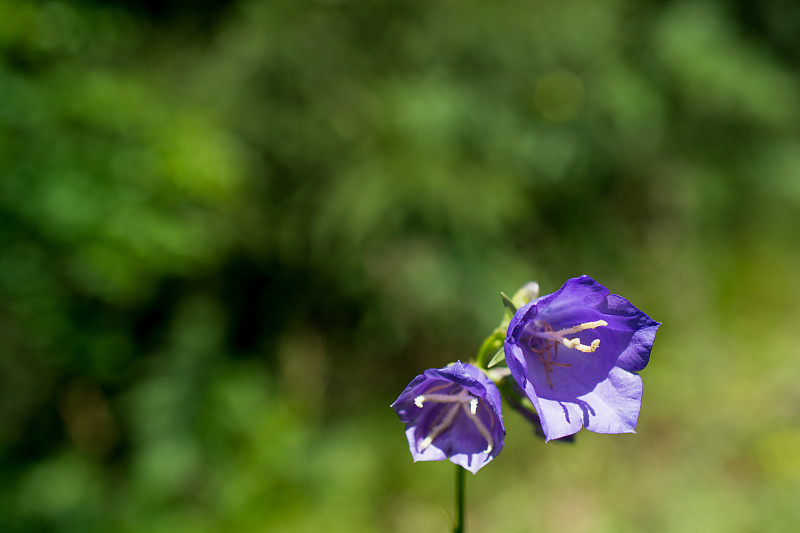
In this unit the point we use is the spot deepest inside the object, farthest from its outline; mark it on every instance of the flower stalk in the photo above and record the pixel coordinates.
(459, 525)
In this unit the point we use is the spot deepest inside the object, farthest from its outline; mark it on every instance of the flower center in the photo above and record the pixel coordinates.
(464, 402)
(544, 343)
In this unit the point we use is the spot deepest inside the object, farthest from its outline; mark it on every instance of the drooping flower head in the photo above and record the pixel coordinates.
(452, 413)
(575, 353)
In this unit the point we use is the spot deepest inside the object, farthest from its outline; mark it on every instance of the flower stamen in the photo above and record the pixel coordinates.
(575, 343)
(463, 400)
(554, 338)
(471, 414)
(438, 398)
(439, 428)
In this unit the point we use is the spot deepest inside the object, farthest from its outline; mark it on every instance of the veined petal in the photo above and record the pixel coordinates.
(612, 407)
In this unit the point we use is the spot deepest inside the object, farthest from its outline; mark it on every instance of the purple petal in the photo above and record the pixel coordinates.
(612, 407)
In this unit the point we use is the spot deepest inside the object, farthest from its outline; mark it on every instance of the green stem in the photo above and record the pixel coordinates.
(459, 525)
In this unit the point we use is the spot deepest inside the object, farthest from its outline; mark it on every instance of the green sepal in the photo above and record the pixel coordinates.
(499, 357)
(510, 306)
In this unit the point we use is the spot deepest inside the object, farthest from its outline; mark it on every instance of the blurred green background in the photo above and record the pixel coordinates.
(231, 232)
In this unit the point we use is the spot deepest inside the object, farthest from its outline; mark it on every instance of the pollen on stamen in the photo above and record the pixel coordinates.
(571, 343)
(581, 327)
(425, 443)
(418, 400)
(473, 406)
(575, 343)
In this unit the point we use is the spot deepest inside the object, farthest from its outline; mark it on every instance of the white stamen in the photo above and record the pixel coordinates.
(487, 436)
(441, 398)
(464, 401)
(582, 327)
(439, 428)
(575, 343)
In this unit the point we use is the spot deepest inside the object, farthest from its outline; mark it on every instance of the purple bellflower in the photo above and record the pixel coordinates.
(453, 413)
(575, 353)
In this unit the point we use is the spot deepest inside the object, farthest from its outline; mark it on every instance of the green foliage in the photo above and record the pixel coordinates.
(231, 234)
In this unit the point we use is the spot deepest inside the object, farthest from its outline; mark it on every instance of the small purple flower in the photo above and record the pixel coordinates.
(453, 412)
(575, 353)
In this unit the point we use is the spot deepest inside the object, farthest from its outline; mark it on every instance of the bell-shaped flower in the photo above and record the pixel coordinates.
(575, 353)
(453, 413)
